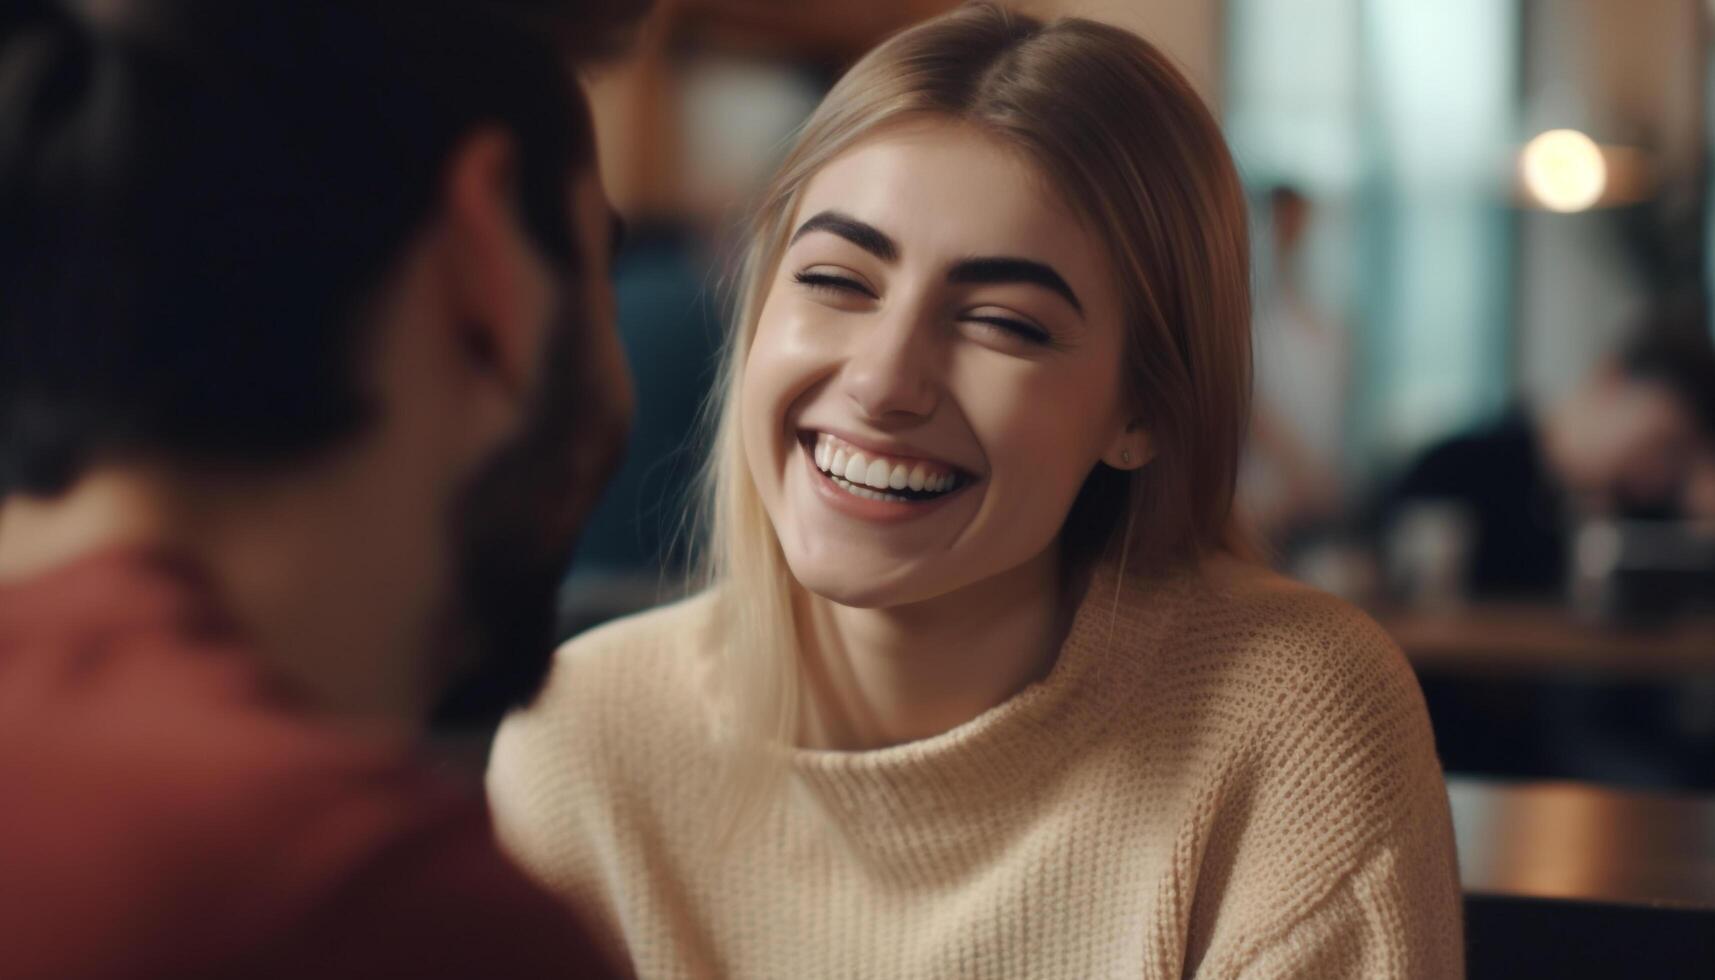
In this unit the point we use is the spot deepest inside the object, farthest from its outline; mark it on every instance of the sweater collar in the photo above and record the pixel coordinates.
(933, 792)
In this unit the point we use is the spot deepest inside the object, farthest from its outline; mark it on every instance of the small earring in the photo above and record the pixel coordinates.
(1125, 456)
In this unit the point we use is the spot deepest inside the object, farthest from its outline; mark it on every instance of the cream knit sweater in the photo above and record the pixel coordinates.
(1224, 775)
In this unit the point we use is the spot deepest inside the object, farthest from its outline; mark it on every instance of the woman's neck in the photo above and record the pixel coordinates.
(880, 677)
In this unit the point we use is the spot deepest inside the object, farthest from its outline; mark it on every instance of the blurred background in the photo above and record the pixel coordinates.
(1485, 398)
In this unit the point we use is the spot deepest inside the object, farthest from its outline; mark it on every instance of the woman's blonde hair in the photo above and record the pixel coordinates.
(1124, 138)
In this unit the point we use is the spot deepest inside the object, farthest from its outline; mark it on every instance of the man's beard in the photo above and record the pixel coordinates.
(515, 529)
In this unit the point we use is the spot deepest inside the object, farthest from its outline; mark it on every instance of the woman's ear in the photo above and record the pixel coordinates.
(1131, 448)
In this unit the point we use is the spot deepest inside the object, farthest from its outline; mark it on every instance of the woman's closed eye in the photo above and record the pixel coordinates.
(841, 288)
(834, 283)
(1009, 327)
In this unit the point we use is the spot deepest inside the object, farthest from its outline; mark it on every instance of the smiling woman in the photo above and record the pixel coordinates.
(982, 683)
(917, 318)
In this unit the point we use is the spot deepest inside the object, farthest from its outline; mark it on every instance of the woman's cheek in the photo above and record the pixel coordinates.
(803, 337)
(787, 358)
(1041, 434)
(797, 350)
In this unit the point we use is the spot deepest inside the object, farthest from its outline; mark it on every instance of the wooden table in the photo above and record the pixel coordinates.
(1574, 881)
(1579, 841)
(1527, 639)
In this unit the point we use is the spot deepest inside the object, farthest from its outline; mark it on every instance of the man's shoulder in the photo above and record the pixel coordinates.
(435, 897)
(243, 840)
(188, 817)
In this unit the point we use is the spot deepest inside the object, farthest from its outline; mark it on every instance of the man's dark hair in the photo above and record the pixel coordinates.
(1675, 349)
(198, 196)
(586, 31)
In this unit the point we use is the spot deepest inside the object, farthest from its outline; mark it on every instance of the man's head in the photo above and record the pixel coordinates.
(1630, 435)
(343, 257)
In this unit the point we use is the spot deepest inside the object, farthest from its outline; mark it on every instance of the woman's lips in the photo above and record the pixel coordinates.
(865, 502)
(859, 468)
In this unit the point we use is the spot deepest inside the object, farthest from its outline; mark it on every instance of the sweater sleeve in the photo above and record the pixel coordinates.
(1369, 926)
(1344, 864)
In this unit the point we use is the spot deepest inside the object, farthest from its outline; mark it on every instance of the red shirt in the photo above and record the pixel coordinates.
(165, 813)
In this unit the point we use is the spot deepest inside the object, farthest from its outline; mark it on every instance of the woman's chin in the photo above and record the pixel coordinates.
(843, 584)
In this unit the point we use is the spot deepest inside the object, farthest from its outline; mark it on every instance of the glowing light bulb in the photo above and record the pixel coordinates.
(1564, 170)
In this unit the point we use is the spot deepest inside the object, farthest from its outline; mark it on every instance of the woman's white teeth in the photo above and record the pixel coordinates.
(877, 474)
(867, 493)
(855, 470)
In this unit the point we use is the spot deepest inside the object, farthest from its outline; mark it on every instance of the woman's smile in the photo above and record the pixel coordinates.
(871, 484)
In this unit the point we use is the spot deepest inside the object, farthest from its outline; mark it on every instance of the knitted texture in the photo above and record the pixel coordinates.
(1224, 775)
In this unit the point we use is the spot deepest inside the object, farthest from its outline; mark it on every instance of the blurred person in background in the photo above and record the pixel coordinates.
(1625, 443)
(1289, 485)
(307, 379)
(1500, 510)
(983, 684)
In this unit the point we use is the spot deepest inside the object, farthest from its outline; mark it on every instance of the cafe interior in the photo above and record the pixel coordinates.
(1483, 245)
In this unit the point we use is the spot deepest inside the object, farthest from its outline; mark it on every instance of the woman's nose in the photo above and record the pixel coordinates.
(891, 372)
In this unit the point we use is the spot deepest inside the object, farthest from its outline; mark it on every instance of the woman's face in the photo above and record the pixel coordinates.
(935, 371)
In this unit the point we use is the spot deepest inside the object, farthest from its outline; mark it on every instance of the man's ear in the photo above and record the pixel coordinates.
(500, 287)
(1131, 447)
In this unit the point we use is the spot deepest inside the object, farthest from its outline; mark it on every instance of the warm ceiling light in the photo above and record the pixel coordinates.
(1564, 170)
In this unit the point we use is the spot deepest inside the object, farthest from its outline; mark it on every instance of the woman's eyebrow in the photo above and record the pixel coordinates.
(1004, 269)
(862, 234)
